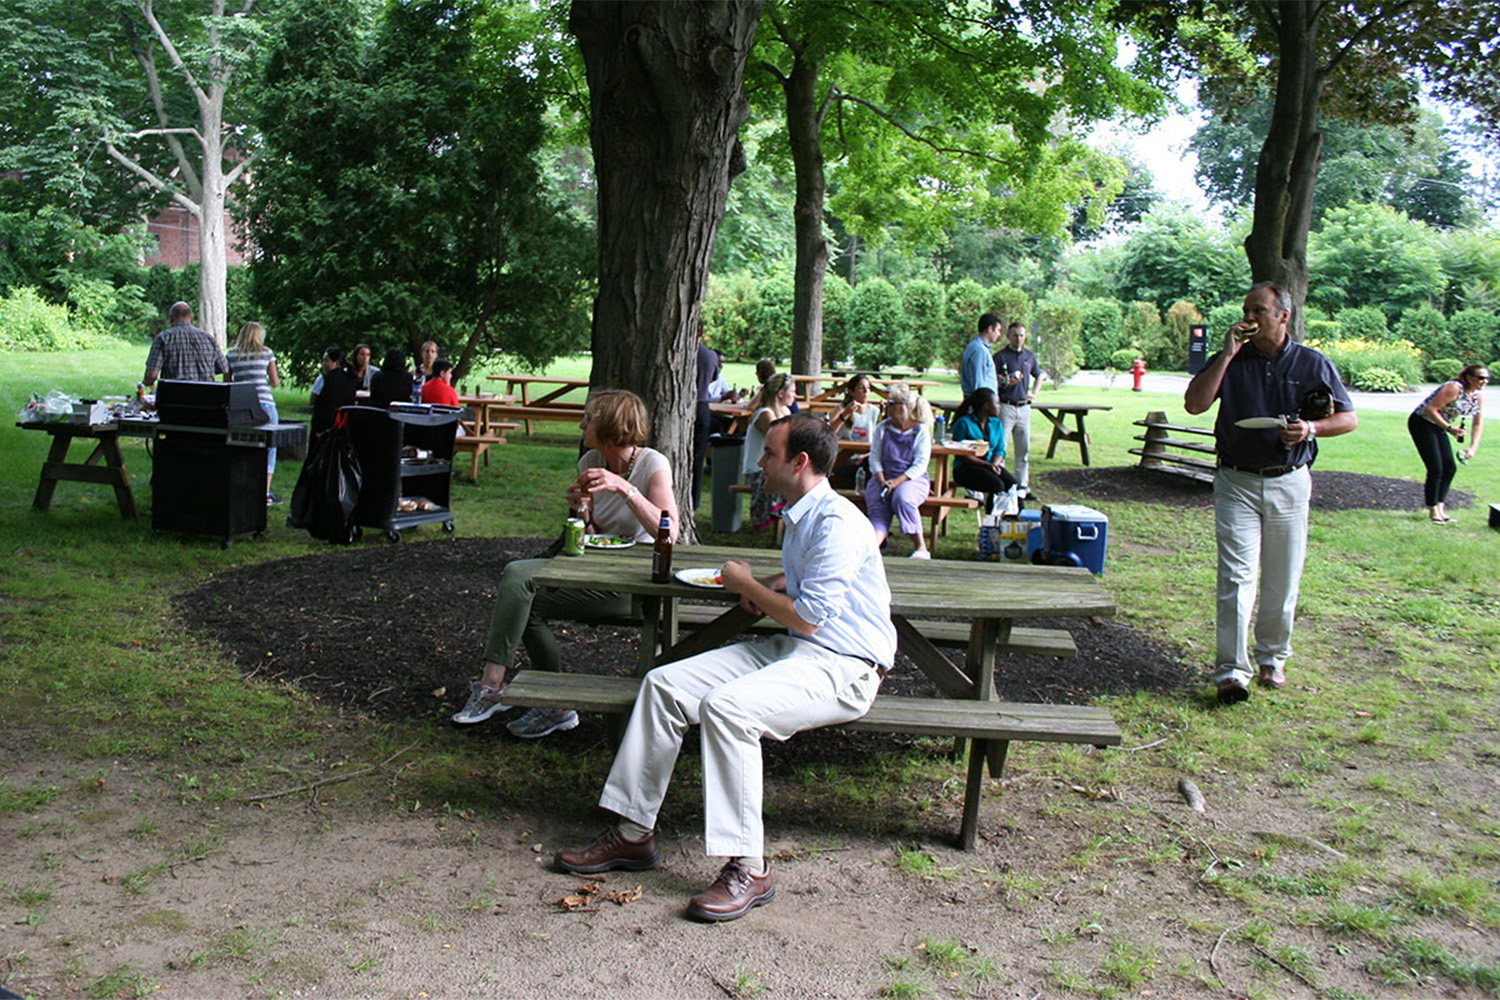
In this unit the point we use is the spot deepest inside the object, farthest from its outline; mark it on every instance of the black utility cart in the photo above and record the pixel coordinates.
(406, 457)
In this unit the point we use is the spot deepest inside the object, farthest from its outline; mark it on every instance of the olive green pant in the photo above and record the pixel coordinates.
(522, 612)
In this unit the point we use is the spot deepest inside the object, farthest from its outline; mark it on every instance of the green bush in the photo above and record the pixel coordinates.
(1443, 369)
(1363, 323)
(1475, 333)
(1103, 330)
(966, 303)
(729, 311)
(1353, 357)
(1427, 328)
(1221, 318)
(877, 324)
(102, 308)
(1059, 318)
(1122, 359)
(771, 330)
(30, 323)
(925, 303)
(836, 298)
(1143, 326)
(1376, 379)
(1322, 329)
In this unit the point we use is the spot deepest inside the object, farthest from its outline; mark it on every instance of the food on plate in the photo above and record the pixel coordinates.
(702, 577)
(608, 541)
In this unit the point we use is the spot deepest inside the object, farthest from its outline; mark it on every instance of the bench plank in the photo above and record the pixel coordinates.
(1175, 443)
(1184, 428)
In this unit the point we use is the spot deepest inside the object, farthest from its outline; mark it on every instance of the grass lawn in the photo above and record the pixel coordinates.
(1385, 738)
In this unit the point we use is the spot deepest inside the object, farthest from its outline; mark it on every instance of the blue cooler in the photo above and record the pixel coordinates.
(1034, 536)
(1073, 533)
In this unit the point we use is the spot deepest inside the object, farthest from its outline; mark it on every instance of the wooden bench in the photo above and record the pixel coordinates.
(1162, 435)
(478, 445)
(999, 721)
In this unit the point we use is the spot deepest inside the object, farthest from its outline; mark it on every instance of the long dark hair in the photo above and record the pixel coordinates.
(978, 399)
(1469, 372)
(849, 387)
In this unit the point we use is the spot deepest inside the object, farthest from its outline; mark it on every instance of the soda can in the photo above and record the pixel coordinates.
(573, 537)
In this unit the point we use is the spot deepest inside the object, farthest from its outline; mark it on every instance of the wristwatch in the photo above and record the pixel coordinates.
(631, 493)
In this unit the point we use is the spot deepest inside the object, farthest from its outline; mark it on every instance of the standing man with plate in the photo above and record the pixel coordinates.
(1020, 379)
(1264, 483)
(826, 669)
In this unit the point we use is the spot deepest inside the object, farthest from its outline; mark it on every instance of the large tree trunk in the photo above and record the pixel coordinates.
(667, 101)
(1287, 171)
(213, 279)
(804, 119)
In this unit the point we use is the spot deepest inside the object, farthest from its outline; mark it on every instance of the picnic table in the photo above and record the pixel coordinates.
(485, 430)
(944, 495)
(546, 404)
(832, 397)
(104, 465)
(991, 597)
(1056, 414)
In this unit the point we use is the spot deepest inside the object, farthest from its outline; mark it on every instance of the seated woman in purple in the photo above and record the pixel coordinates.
(900, 449)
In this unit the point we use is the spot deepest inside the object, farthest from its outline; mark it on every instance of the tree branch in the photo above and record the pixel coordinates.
(152, 180)
(1362, 33)
(886, 116)
(238, 169)
(186, 130)
(147, 59)
(144, 6)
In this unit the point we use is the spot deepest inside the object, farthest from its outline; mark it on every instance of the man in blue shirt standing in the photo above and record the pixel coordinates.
(978, 366)
(833, 599)
(1263, 485)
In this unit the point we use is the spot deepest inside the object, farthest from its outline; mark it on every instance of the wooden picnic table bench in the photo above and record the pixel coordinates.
(551, 392)
(1057, 415)
(1161, 435)
(991, 597)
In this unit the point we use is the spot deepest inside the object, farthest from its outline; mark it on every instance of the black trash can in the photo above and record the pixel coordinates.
(726, 449)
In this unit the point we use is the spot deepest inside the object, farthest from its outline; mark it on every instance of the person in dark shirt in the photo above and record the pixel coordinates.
(1018, 379)
(331, 390)
(393, 383)
(1263, 485)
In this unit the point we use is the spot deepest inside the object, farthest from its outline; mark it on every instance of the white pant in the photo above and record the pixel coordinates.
(774, 687)
(1015, 422)
(1261, 523)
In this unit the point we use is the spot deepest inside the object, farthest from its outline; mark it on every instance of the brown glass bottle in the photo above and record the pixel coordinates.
(661, 551)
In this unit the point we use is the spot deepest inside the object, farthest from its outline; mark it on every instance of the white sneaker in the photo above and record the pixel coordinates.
(541, 722)
(921, 554)
(483, 702)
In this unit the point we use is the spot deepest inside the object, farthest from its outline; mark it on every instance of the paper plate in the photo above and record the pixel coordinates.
(1260, 423)
(704, 576)
(608, 541)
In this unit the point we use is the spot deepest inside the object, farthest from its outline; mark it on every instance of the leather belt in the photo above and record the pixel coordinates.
(1006, 402)
(1265, 472)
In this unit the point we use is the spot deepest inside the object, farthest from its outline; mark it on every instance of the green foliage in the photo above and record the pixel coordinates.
(1442, 369)
(1143, 326)
(1427, 328)
(1010, 302)
(925, 303)
(1222, 317)
(1397, 365)
(1374, 379)
(1471, 262)
(967, 301)
(771, 332)
(1476, 335)
(1123, 359)
(1059, 321)
(398, 197)
(1372, 255)
(1323, 329)
(1171, 350)
(730, 308)
(1173, 255)
(30, 323)
(877, 325)
(1362, 323)
(1103, 326)
(837, 296)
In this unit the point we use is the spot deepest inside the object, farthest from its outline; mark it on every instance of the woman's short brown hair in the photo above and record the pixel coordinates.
(619, 418)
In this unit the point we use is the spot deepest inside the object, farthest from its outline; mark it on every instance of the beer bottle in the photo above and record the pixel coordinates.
(661, 551)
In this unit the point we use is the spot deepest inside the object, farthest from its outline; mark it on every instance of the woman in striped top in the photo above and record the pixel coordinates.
(250, 360)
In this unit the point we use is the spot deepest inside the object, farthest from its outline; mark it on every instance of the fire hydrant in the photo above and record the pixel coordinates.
(1137, 371)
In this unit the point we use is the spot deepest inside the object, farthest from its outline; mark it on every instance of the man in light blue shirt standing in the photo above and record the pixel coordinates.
(978, 367)
(833, 598)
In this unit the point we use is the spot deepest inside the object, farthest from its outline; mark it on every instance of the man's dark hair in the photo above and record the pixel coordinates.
(441, 365)
(334, 354)
(180, 311)
(988, 320)
(1018, 325)
(807, 433)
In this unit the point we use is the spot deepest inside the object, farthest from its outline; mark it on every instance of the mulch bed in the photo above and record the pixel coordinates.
(396, 631)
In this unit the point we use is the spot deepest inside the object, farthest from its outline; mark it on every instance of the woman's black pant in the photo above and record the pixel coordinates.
(982, 478)
(1437, 455)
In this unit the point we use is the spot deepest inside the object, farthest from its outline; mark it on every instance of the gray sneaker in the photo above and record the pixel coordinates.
(541, 722)
(483, 702)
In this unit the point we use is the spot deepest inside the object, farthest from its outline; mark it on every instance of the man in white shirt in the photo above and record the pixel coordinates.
(834, 601)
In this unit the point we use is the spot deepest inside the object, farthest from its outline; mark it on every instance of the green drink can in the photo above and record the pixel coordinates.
(573, 537)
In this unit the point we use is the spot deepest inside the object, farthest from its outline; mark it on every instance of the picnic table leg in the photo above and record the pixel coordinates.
(1058, 432)
(56, 455)
(650, 634)
(1083, 438)
(980, 663)
(109, 446)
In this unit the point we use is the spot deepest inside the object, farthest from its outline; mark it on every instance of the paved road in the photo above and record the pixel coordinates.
(1400, 402)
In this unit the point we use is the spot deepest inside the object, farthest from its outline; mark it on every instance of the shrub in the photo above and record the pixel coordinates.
(730, 309)
(877, 324)
(966, 303)
(1475, 333)
(925, 303)
(1322, 329)
(1221, 318)
(1443, 369)
(1103, 329)
(101, 308)
(1010, 303)
(1363, 323)
(1427, 328)
(1143, 325)
(1059, 317)
(836, 298)
(1122, 359)
(30, 323)
(1352, 357)
(1377, 379)
(771, 333)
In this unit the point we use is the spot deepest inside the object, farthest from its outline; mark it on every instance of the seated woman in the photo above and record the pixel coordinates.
(393, 383)
(899, 452)
(978, 419)
(360, 367)
(853, 421)
(623, 488)
(422, 371)
(771, 404)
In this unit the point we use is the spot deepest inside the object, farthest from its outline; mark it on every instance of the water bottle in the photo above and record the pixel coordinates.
(939, 430)
(861, 476)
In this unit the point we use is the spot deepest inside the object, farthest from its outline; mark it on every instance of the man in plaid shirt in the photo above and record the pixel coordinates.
(183, 351)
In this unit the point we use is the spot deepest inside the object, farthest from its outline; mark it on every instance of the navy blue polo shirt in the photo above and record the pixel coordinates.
(1258, 386)
(1007, 359)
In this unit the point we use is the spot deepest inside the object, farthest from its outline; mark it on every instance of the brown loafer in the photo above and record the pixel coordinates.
(1232, 692)
(608, 851)
(734, 893)
(1272, 676)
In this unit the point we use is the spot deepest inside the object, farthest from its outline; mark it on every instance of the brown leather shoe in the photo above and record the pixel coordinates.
(1232, 692)
(734, 893)
(1272, 676)
(608, 851)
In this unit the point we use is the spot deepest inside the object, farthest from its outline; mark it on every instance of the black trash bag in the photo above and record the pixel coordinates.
(328, 488)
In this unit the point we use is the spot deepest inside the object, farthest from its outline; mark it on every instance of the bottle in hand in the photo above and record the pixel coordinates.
(661, 552)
